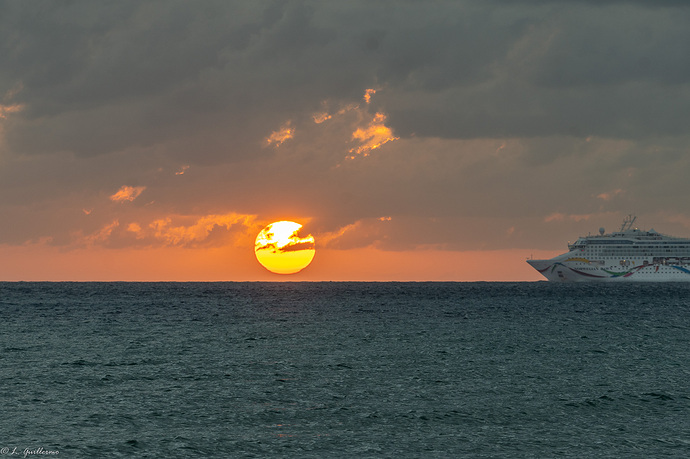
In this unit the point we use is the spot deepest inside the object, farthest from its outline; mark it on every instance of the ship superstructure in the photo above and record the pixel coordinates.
(625, 255)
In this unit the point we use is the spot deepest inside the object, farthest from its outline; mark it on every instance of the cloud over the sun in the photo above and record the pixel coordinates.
(295, 242)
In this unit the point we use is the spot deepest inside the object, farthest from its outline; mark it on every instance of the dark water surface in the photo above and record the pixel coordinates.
(345, 370)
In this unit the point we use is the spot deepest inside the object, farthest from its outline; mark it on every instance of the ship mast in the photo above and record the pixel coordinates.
(628, 223)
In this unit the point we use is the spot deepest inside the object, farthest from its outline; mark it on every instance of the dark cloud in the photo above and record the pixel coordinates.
(297, 246)
(139, 74)
(97, 81)
(567, 69)
(508, 113)
(601, 3)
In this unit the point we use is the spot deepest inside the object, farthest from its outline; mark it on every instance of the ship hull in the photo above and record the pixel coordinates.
(575, 269)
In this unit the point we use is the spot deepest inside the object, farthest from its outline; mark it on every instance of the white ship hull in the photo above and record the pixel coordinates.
(628, 255)
(582, 270)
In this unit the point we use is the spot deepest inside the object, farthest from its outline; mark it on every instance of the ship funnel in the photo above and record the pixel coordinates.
(602, 230)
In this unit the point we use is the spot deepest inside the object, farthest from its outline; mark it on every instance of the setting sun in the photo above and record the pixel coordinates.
(280, 248)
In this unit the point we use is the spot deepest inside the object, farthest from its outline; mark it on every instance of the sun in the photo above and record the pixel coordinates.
(282, 250)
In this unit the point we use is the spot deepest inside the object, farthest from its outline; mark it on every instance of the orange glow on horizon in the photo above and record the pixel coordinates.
(42, 262)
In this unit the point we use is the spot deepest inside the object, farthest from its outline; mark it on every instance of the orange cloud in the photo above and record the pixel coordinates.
(368, 232)
(5, 109)
(321, 117)
(347, 108)
(277, 138)
(367, 95)
(197, 231)
(182, 170)
(610, 195)
(101, 235)
(127, 193)
(373, 136)
(174, 231)
(326, 239)
(136, 229)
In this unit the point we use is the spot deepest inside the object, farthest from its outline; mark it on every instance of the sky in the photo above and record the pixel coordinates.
(415, 140)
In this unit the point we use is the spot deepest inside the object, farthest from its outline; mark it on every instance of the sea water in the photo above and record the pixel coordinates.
(344, 370)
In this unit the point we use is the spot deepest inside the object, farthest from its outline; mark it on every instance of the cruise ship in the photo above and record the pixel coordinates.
(627, 255)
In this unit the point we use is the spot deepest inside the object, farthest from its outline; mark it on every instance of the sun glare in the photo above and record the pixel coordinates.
(282, 250)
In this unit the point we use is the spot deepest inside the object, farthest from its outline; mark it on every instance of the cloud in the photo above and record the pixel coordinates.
(373, 136)
(604, 3)
(127, 193)
(320, 117)
(609, 195)
(278, 137)
(367, 95)
(170, 231)
(199, 230)
(368, 232)
(488, 118)
(498, 71)
(135, 228)
(7, 109)
(98, 237)
(295, 242)
(306, 243)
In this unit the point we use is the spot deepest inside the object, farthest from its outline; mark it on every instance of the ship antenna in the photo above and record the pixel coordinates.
(628, 222)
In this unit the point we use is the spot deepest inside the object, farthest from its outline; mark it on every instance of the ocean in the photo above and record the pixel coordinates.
(320, 370)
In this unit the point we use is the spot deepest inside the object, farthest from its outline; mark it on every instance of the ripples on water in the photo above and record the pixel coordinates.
(345, 369)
